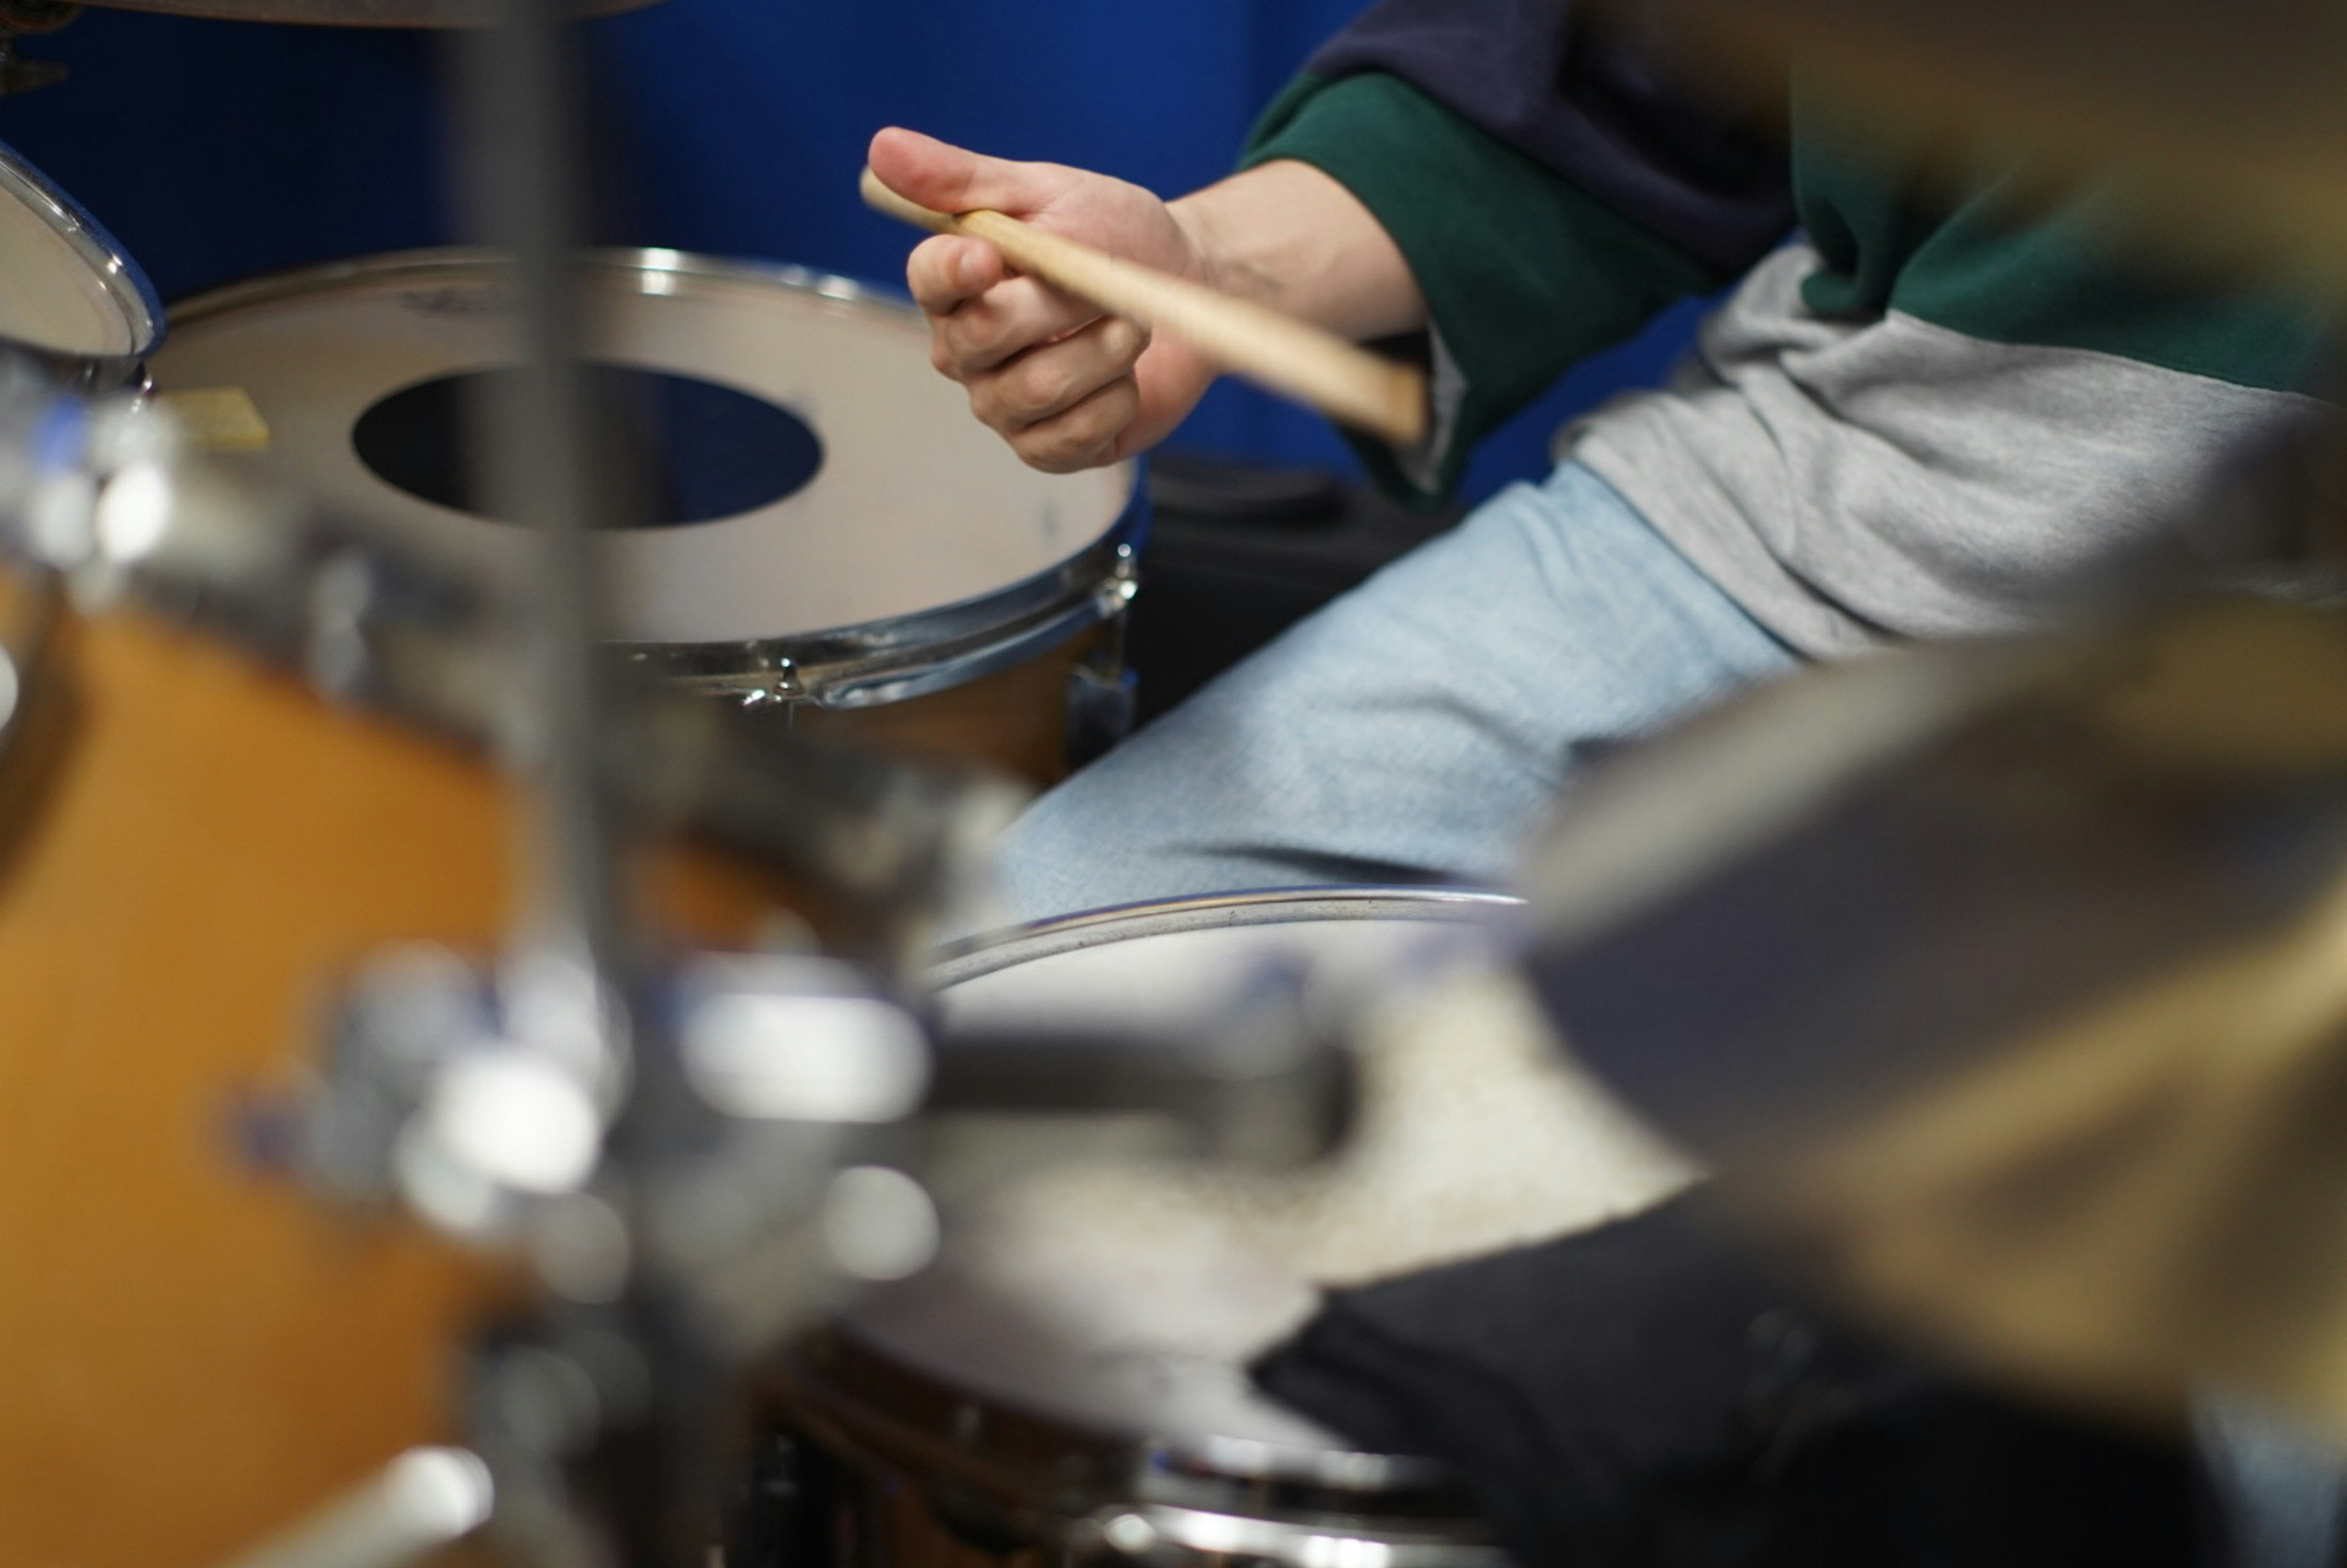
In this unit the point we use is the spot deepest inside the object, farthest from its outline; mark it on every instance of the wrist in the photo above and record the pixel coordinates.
(1210, 261)
(1288, 235)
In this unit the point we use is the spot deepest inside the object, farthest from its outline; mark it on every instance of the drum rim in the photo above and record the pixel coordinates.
(863, 664)
(840, 1375)
(319, 277)
(124, 283)
(990, 952)
(841, 1341)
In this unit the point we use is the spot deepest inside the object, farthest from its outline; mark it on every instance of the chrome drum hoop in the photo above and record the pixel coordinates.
(886, 661)
(917, 646)
(988, 952)
(112, 276)
(1096, 1497)
(1002, 1453)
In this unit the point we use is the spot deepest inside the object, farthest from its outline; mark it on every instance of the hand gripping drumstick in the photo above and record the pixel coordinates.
(1345, 382)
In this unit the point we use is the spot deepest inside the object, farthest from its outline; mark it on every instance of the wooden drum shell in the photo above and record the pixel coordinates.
(195, 1353)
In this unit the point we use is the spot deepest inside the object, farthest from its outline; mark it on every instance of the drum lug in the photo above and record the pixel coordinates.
(1100, 705)
(778, 682)
(1104, 692)
(790, 1510)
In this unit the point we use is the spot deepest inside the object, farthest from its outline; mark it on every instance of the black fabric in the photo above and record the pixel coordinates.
(1640, 1394)
(1589, 106)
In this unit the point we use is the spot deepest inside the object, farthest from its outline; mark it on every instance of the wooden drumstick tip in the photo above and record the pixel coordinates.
(1273, 350)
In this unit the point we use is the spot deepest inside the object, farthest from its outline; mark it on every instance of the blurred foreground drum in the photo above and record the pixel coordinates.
(197, 848)
(1070, 1378)
(826, 530)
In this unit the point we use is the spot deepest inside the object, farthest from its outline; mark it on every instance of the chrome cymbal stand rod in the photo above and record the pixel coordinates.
(540, 1413)
(542, 468)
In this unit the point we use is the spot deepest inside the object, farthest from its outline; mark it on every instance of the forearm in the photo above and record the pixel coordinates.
(1292, 237)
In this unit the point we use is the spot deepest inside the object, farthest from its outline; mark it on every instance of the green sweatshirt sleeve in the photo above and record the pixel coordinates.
(1523, 272)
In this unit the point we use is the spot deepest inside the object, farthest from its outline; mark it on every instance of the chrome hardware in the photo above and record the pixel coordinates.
(124, 319)
(1103, 693)
(934, 650)
(1172, 1537)
(425, 1500)
(1101, 707)
(782, 684)
(28, 612)
(480, 1100)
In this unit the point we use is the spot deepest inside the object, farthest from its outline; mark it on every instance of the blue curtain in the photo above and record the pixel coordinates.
(219, 149)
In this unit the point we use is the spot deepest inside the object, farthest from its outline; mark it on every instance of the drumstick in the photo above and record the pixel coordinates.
(1343, 381)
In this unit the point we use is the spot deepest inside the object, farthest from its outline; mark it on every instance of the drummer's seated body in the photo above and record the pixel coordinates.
(1933, 412)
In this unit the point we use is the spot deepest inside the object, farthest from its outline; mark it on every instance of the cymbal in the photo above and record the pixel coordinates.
(357, 12)
(2007, 988)
(2226, 119)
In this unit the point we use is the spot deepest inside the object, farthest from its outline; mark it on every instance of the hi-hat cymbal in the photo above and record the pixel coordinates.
(2008, 984)
(358, 13)
(2227, 118)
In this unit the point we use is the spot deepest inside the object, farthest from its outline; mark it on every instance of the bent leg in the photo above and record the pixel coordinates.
(1417, 729)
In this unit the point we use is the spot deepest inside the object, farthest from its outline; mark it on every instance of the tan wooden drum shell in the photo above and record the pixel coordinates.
(193, 1354)
(1014, 721)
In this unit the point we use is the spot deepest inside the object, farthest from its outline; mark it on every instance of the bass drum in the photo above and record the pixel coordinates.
(195, 849)
(1069, 1379)
(826, 531)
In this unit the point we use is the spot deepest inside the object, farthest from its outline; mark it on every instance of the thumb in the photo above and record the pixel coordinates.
(949, 179)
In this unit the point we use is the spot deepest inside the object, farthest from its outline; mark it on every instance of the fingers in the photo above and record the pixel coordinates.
(987, 330)
(981, 315)
(1053, 375)
(1083, 436)
(1049, 380)
(950, 179)
(946, 272)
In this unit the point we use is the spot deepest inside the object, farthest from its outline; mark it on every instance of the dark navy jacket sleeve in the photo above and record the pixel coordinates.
(1586, 104)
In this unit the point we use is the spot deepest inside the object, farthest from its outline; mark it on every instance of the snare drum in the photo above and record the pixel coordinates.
(830, 533)
(1070, 1377)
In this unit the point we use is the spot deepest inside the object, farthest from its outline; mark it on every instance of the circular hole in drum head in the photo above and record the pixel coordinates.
(701, 451)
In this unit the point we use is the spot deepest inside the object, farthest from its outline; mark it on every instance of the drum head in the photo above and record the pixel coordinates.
(66, 287)
(855, 491)
(1129, 1300)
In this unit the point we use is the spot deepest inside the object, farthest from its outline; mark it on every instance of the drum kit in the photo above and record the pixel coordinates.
(461, 1074)
(403, 1139)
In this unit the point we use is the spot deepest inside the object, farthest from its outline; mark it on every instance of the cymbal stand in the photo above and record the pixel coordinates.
(626, 1387)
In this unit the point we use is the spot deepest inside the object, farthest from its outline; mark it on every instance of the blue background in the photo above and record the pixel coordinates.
(218, 149)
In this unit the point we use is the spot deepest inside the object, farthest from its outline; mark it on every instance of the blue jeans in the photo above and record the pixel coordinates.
(1417, 730)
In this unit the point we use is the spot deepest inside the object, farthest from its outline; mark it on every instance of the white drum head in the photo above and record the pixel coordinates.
(1132, 1295)
(914, 506)
(66, 287)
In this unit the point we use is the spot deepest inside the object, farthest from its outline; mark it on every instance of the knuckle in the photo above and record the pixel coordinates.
(1075, 439)
(1040, 382)
(981, 330)
(1051, 456)
(1127, 341)
(988, 406)
(926, 278)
